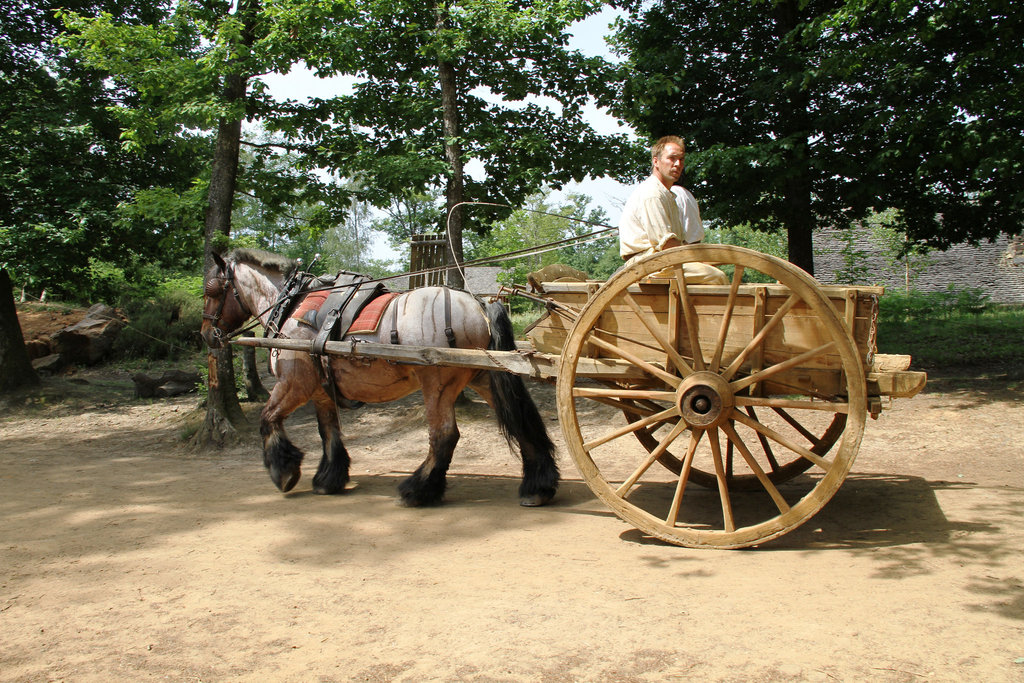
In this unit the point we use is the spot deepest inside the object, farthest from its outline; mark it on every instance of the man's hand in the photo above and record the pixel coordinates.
(671, 241)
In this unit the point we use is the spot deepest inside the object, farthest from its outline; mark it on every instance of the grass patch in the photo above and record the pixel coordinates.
(523, 319)
(953, 329)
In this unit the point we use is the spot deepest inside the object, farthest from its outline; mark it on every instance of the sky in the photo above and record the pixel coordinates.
(588, 37)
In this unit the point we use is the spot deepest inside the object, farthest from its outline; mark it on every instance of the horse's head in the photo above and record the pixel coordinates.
(223, 311)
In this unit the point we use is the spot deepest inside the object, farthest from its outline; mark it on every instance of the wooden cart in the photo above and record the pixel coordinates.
(743, 405)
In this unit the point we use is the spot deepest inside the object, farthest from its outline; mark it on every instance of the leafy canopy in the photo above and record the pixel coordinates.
(820, 112)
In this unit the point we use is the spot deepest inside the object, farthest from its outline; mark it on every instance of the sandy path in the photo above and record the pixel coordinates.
(127, 558)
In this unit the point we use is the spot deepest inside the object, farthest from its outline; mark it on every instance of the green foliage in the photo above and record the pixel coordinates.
(539, 223)
(414, 213)
(855, 269)
(952, 328)
(166, 324)
(510, 60)
(912, 258)
(744, 235)
(64, 173)
(805, 114)
(951, 303)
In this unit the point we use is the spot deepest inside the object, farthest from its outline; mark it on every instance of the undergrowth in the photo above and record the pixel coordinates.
(952, 328)
(164, 326)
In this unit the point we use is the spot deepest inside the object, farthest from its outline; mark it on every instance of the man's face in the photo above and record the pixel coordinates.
(669, 165)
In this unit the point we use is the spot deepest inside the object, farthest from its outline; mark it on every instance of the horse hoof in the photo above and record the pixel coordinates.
(285, 483)
(420, 501)
(324, 491)
(534, 501)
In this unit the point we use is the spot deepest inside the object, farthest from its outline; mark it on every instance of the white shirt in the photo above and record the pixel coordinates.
(692, 225)
(650, 217)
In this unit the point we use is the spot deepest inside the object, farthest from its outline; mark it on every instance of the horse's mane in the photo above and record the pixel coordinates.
(263, 259)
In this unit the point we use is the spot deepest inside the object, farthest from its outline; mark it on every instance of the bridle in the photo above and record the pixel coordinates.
(227, 279)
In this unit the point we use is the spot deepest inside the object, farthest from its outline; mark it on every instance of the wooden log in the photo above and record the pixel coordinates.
(535, 365)
(544, 366)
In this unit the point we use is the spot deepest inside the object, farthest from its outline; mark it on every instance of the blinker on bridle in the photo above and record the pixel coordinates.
(228, 279)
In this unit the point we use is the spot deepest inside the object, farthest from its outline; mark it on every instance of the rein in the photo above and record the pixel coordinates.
(285, 296)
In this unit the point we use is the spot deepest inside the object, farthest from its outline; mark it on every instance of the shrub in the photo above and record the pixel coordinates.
(165, 325)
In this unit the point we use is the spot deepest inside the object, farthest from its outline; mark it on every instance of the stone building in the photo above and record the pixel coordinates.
(997, 268)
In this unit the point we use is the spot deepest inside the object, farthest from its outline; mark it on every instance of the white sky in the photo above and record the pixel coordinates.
(588, 37)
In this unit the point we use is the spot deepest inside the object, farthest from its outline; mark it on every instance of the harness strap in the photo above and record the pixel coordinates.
(394, 321)
(449, 333)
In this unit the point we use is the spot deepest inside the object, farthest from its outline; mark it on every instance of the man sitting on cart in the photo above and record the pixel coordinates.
(656, 218)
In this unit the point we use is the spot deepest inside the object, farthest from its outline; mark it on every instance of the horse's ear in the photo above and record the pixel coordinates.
(219, 261)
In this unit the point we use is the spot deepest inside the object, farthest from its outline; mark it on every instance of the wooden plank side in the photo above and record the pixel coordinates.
(800, 331)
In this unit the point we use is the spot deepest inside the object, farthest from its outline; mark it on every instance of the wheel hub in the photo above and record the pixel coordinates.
(704, 400)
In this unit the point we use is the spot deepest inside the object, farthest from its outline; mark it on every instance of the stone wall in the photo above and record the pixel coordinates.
(480, 280)
(997, 267)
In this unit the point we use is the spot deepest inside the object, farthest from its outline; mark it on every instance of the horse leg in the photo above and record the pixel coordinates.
(519, 419)
(441, 387)
(282, 458)
(332, 474)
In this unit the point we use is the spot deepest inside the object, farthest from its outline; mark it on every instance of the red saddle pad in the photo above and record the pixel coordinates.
(369, 318)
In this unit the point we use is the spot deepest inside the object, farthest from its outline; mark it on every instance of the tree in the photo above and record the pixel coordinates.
(415, 213)
(15, 367)
(64, 174)
(541, 222)
(439, 85)
(190, 70)
(803, 114)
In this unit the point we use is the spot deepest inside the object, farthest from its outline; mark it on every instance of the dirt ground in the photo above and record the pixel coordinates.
(127, 557)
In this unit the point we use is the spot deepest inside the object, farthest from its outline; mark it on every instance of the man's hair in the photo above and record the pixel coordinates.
(659, 146)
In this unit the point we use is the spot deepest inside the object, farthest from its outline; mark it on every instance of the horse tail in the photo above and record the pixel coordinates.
(519, 419)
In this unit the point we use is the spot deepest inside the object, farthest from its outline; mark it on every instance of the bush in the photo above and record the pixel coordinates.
(952, 328)
(166, 325)
(914, 305)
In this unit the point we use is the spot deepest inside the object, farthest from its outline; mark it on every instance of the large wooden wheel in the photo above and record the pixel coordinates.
(753, 384)
(778, 472)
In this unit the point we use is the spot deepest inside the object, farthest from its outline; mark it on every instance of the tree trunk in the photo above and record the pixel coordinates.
(15, 367)
(221, 426)
(800, 219)
(224, 416)
(455, 187)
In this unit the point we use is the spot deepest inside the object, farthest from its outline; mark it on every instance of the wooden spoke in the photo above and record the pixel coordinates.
(766, 445)
(779, 403)
(587, 392)
(669, 379)
(627, 406)
(652, 326)
(723, 484)
(782, 440)
(808, 403)
(734, 438)
(684, 475)
(634, 408)
(723, 330)
(692, 325)
(771, 370)
(631, 427)
(804, 432)
(759, 338)
(678, 429)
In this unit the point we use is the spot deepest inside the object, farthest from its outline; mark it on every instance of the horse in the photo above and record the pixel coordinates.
(248, 283)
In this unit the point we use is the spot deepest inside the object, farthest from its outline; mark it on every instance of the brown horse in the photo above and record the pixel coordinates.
(248, 282)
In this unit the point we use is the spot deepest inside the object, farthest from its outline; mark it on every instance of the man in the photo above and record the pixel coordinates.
(693, 226)
(652, 221)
